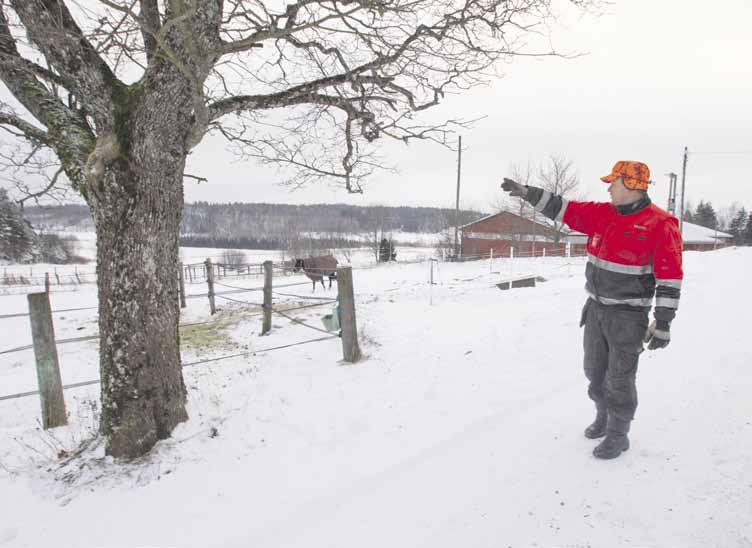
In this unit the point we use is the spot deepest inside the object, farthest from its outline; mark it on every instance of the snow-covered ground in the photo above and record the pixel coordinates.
(461, 427)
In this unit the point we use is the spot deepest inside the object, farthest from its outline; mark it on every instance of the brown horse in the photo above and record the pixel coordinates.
(318, 267)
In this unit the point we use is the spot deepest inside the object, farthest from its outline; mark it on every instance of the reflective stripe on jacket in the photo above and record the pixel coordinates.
(634, 251)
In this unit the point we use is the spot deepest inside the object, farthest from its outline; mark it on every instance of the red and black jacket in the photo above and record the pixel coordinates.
(634, 251)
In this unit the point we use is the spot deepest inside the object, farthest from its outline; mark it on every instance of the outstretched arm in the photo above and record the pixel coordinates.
(579, 216)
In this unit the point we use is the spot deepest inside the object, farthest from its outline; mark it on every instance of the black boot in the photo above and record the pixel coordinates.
(612, 446)
(598, 428)
(616, 441)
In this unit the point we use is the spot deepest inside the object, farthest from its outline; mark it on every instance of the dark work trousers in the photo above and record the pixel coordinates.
(613, 343)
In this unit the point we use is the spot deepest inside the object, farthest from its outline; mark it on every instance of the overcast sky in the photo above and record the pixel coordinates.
(658, 76)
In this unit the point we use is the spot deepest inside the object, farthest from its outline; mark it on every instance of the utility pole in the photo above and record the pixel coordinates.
(535, 226)
(457, 205)
(672, 177)
(684, 177)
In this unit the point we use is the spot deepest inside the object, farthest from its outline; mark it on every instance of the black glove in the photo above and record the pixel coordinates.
(658, 336)
(514, 188)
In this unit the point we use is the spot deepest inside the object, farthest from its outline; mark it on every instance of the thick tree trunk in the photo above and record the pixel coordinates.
(143, 395)
(137, 215)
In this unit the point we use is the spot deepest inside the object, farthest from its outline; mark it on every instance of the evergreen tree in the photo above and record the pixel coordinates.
(18, 243)
(737, 226)
(386, 251)
(747, 235)
(705, 215)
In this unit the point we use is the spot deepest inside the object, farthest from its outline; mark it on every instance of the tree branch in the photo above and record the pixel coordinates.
(33, 68)
(53, 30)
(42, 192)
(195, 178)
(152, 24)
(28, 131)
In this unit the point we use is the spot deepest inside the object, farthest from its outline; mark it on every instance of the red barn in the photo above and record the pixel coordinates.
(506, 230)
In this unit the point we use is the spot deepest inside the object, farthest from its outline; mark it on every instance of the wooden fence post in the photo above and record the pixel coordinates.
(511, 262)
(350, 348)
(182, 285)
(210, 284)
(57, 277)
(45, 352)
(46, 282)
(266, 322)
(430, 290)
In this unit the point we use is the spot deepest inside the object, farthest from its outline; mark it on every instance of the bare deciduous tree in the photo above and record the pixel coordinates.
(727, 214)
(122, 90)
(30, 170)
(523, 174)
(558, 175)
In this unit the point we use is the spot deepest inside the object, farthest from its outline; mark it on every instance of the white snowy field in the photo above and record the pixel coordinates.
(65, 277)
(461, 427)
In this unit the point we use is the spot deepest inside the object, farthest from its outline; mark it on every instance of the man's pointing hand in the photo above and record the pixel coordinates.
(514, 188)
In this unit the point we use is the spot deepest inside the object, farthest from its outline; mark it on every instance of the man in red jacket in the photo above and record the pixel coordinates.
(634, 253)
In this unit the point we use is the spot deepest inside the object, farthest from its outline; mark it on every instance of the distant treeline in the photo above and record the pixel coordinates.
(247, 242)
(284, 220)
(269, 222)
(73, 217)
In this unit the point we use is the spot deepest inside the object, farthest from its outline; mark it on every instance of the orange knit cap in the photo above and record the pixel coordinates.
(636, 175)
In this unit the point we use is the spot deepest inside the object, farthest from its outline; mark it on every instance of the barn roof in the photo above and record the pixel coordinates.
(540, 220)
(696, 234)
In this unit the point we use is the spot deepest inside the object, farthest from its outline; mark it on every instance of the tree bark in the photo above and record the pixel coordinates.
(137, 213)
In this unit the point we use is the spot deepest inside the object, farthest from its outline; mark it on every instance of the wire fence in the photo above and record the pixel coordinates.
(188, 364)
(92, 337)
(223, 295)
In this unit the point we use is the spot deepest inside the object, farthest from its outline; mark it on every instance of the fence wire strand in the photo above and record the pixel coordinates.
(301, 322)
(22, 314)
(239, 301)
(189, 364)
(310, 297)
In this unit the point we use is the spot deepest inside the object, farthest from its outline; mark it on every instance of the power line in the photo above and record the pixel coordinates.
(725, 153)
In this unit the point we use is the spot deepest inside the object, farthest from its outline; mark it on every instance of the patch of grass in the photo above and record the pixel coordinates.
(210, 335)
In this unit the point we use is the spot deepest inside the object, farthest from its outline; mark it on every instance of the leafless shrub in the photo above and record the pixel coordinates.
(233, 258)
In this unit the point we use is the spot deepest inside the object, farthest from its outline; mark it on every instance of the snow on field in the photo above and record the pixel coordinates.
(69, 275)
(461, 427)
(399, 238)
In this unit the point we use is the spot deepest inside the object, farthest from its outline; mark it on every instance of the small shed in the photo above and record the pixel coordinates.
(700, 238)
